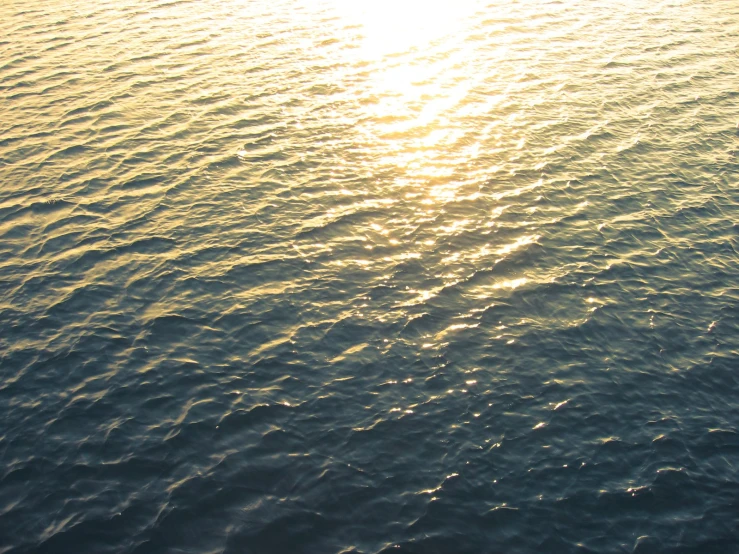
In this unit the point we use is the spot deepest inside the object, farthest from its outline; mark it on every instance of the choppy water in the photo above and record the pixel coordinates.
(399, 277)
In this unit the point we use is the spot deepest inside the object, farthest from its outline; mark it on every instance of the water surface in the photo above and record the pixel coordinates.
(391, 277)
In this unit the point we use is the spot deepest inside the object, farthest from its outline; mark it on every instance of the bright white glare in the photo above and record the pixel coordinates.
(395, 26)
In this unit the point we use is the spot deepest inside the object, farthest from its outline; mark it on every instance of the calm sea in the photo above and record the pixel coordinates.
(363, 277)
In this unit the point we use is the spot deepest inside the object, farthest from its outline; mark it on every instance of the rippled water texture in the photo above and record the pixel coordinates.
(400, 277)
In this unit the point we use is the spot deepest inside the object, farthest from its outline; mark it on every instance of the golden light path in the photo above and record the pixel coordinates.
(416, 94)
(421, 97)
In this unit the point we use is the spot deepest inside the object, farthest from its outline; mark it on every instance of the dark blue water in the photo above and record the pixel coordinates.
(402, 277)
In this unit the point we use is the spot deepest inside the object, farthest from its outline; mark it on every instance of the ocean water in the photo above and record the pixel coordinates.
(369, 277)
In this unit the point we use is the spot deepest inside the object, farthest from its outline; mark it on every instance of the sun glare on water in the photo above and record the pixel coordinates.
(396, 26)
(415, 60)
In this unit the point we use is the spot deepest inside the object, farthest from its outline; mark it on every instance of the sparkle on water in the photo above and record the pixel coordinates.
(380, 276)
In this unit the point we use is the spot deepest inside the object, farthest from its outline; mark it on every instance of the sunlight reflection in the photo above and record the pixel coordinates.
(393, 26)
(419, 76)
